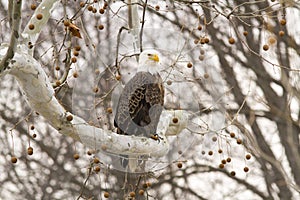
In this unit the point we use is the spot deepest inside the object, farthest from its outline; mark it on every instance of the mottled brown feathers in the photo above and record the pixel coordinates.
(140, 105)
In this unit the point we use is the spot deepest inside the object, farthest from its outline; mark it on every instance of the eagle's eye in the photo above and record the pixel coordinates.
(149, 54)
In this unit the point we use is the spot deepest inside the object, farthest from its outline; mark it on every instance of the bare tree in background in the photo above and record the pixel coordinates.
(239, 60)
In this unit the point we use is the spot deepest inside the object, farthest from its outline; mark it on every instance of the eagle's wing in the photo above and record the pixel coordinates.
(140, 105)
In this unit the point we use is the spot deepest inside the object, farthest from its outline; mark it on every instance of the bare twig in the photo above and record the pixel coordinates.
(16, 19)
(67, 61)
(117, 49)
(85, 182)
(142, 27)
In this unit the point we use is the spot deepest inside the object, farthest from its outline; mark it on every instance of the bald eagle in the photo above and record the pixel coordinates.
(141, 102)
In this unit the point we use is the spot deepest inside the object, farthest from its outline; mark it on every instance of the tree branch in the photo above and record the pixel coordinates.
(134, 23)
(15, 20)
(45, 8)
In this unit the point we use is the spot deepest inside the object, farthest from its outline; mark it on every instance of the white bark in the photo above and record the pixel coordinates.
(45, 8)
(134, 23)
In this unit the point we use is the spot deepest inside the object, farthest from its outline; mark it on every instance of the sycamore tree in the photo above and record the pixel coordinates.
(230, 126)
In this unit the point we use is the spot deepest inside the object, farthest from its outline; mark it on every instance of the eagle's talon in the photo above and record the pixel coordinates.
(156, 137)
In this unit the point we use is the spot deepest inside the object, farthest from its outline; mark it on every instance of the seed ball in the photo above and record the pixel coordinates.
(57, 68)
(266, 47)
(179, 152)
(75, 74)
(203, 152)
(283, 22)
(31, 26)
(97, 71)
(103, 147)
(202, 41)
(210, 153)
(175, 120)
(272, 40)
(118, 77)
(248, 156)
(232, 173)
(90, 8)
(231, 40)
(199, 27)
(223, 161)
(73, 59)
(157, 8)
(109, 110)
(221, 166)
(30, 151)
(94, 10)
(96, 89)
(66, 22)
(245, 33)
(76, 156)
(239, 141)
(246, 169)
(206, 40)
(33, 6)
(169, 82)
(69, 118)
(77, 48)
(82, 4)
(105, 5)
(34, 135)
(132, 194)
(141, 192)
(89, 152)
(106, 195)
(214, 139)
(281, 33)
(189, 65)
(206, 75)
(228, 159)
(220, 151)
(76, 53)
(202, 52)
(145, 185)
(196, 41)
(232, 134)
(39, 16)
(101, 11)
(179, 165)
(101, 27)
(97, 169)
(57, 82)
(96, 160)
(13, 159)
(32, 127)
(201, 57)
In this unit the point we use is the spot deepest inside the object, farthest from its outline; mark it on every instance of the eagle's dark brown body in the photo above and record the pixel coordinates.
(140, 105)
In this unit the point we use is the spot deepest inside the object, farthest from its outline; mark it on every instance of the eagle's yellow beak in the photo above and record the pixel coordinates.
(154, 57)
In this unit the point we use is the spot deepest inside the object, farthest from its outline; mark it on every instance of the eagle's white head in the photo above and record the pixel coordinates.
(149, 61)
